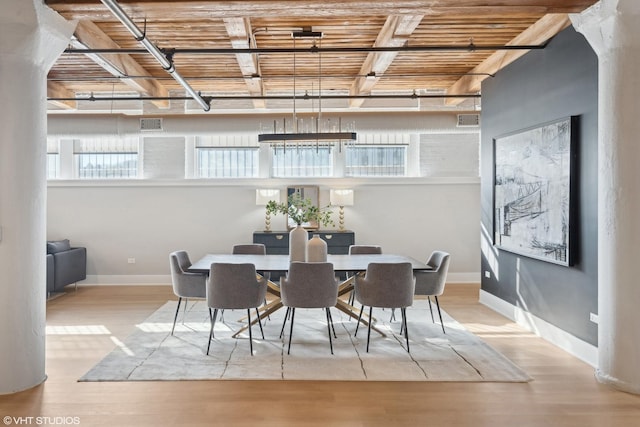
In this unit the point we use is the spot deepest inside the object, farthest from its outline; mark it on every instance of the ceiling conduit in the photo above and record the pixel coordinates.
(93, 98)
(166, 63)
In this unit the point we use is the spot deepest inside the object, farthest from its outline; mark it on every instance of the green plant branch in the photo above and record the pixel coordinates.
(301, 210)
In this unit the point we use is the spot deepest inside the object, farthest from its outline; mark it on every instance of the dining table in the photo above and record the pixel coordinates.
(347, 266)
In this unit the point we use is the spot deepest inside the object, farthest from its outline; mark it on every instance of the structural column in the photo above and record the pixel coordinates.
(611, 27)
(32, 36)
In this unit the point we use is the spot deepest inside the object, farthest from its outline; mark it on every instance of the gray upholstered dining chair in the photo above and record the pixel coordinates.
(431, 283)
(249, 249)
(185, 285)
(386, 285)
(362, 250)
(309, 285)
(235, 286)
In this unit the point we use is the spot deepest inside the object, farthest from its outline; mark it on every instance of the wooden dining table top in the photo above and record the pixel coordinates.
(341, 263)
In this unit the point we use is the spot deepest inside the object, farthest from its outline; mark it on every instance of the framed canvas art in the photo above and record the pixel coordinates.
(533, 191)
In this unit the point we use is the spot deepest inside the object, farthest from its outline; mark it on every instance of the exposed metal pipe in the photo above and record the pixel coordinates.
(166, 63)
(263, 97)
(336, 49)
(270, 77)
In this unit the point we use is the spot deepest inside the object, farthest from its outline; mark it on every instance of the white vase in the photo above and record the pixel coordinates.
(316, 250)
(298, 239)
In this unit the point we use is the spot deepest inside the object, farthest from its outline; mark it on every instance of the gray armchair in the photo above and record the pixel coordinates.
(235, 286)
(185, 285)
(386, 285)
(249, 249)
(362, 250)
(431, 283)
(309, 285)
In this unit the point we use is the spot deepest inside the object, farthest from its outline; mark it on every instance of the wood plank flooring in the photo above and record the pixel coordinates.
(563, 393)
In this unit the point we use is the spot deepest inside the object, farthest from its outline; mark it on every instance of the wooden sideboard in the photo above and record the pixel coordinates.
(277, 242)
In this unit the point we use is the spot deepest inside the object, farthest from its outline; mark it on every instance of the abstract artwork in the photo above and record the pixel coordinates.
(532, 193)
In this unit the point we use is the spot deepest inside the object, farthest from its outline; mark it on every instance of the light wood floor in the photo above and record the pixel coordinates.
(563, 393)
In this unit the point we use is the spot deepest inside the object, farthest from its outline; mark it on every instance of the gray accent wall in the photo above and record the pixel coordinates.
(545, 85)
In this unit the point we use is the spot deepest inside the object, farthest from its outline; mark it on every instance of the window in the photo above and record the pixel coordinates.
(106, 158)
(302, 161)
(226, 156)
(226, 162)
(53, 158)
(376, 160)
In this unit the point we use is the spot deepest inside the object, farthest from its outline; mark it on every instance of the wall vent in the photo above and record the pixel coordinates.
(468, 120)
(150, 124)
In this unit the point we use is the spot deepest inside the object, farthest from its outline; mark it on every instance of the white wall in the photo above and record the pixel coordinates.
(148, 220)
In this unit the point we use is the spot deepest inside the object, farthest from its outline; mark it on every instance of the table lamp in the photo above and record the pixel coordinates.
(341, 197)
(264, 196)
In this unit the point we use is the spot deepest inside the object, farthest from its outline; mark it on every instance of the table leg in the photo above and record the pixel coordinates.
(351, 311)
(266, 310)
(344, 288)
(273, 289)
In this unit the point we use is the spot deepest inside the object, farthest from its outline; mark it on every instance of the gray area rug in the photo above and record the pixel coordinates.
(151, 353)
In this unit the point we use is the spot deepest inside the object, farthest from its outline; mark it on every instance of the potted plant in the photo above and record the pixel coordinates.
(301, 211)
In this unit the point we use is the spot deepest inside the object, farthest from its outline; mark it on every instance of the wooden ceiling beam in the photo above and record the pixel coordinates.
(89, 35)
(58, 90)
(241, 37)
(199, 9)
(545, 28)
(394, 33)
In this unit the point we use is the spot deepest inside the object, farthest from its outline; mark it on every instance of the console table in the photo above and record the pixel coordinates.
(277, 242)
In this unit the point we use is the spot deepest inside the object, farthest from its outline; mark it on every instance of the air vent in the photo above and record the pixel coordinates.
(468, 120)
(151, 124)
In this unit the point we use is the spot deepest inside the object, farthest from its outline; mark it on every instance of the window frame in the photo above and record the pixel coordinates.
(316, 170)
(255, 168)
(134, 170)
(349, 169)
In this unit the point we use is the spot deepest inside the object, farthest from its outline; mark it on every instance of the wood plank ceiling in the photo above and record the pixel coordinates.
(372, 54)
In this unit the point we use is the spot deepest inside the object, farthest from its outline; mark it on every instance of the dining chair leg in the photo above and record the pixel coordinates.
(184, 309)
(293, 314)
(393, 315)
(440, 314)
(406, 329)
(250, 336)
(213, 321)
(431, 309)
(175, 319)
(369, 329)
(352, 294)
(332, 327)
(259, 322)
(329, 328)
(286, 316)
(359, 318)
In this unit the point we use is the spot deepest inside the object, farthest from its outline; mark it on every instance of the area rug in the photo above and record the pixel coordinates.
(151, 353)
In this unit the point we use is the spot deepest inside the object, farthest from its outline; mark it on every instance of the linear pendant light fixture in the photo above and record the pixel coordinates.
(315, 133)
(166, 63)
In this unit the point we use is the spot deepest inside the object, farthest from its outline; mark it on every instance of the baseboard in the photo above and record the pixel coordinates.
(122, 279)
(463, 277)
(584, 351)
